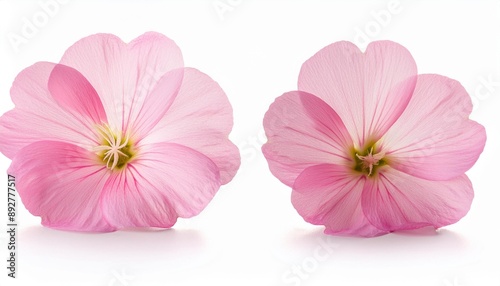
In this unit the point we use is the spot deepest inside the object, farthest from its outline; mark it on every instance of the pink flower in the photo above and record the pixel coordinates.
(370, 147)
(118, 135)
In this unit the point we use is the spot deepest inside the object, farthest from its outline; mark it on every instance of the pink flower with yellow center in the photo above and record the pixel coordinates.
(370, 147)
(118, 135)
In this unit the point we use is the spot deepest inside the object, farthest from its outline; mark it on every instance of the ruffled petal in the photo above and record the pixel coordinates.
(397, 201)
(37, 116)
(369, 91)
(330, 195)
(201, 118)
(62, 184)
(164, 182)
(125, 75)
(434, 138)
(303, 131)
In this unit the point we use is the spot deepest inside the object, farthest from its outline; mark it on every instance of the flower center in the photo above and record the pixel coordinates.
(369, 162)
(116, 149)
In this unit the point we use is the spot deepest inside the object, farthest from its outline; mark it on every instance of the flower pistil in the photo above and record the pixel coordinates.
(368, 163)
(116, 149)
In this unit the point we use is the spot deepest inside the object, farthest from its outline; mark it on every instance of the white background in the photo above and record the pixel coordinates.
(250, 234)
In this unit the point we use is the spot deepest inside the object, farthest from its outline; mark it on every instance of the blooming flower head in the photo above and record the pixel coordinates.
(370, 147)
(118, 135)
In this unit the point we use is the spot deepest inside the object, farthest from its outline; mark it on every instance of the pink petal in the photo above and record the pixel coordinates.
(398, 201)
(368, 91)
(201, 118)
(156, 104)
(164, 182)
(303, 131)
(74, 93)
(330, 195)
(132, 201)
(125, 75)
(61, 183)
(38, 116)
(434, 138)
